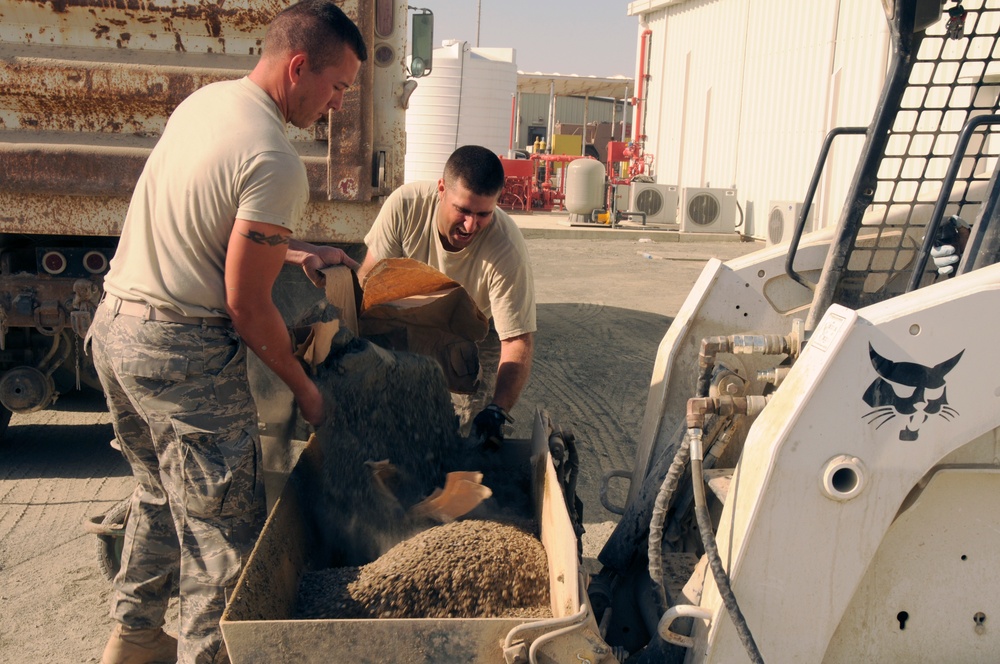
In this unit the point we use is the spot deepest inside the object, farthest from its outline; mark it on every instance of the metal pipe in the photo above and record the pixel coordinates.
(641, 215)
(727, 406)
(58, 340)
(552, 114)
(578, 617)
(548, 636)
(800, 223)
(737, 344)
(513, 114)
(773, 376)
(517, 127)
(64, 350)
(680, 611)
(640, 88)
(566, 625)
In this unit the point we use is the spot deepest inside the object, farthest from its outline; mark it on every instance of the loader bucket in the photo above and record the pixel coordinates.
(259, 624)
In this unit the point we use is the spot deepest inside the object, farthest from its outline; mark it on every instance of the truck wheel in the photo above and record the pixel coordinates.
(109, 546)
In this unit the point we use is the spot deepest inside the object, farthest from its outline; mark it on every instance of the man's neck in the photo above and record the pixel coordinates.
(267, 79)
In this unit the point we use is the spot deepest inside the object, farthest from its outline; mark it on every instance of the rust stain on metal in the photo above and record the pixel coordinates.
(348, 188)
(72, 170)
(66, 96)
(213, 15)
(61, 214)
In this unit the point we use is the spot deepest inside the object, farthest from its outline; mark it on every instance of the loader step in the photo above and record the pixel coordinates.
(718, 480)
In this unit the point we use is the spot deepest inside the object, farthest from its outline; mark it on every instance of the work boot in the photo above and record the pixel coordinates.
(139, 646)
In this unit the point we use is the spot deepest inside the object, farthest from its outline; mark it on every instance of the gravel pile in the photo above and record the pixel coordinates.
(464, 569)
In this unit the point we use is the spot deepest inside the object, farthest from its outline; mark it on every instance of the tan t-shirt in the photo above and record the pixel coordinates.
(223, 155)
(494, 269)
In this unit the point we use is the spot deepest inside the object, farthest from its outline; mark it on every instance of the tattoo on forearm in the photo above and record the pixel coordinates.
(270, 240)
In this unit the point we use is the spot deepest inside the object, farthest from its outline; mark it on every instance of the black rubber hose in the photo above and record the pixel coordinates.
(715, 563)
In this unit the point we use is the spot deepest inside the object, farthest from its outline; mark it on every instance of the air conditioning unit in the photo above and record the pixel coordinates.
(781, 219)
(657, 201)
(706, 210)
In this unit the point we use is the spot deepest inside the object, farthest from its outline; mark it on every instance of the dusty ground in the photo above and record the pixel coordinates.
(602, 309)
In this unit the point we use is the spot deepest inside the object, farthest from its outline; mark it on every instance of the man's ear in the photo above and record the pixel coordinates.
(296, 65)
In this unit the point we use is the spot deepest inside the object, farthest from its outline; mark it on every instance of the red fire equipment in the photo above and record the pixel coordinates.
(630, 153)
(530, 184)
(517, 188)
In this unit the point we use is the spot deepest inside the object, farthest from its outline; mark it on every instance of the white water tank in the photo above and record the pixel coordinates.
(466, 100)
(584, 186)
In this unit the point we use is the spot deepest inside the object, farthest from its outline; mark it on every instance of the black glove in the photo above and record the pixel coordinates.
(488, 425)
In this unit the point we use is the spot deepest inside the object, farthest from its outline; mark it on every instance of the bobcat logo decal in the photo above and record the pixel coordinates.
(908, 390)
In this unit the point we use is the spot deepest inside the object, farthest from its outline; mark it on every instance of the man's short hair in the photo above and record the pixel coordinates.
(317, 27)
(477, 168)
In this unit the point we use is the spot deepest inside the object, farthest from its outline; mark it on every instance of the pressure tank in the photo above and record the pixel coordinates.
(464, 101)
(584, 186)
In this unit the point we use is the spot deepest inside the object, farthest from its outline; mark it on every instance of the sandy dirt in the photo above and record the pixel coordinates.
(602, 310)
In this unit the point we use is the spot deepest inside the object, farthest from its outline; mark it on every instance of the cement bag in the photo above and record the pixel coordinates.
(410, 306)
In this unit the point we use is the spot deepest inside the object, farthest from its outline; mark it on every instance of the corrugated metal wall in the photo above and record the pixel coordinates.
(742, 93)
(535, 110)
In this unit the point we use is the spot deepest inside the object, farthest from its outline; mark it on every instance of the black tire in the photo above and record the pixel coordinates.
(109, 547)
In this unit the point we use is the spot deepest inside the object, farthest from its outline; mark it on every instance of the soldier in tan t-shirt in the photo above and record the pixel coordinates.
(454, 226)
(187, 295)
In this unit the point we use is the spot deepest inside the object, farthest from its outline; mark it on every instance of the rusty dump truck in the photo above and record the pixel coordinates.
(86, 88)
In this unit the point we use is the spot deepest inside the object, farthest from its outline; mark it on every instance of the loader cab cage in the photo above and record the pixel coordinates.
(935, 85)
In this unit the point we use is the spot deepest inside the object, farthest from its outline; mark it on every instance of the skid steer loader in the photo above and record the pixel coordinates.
(818, 470)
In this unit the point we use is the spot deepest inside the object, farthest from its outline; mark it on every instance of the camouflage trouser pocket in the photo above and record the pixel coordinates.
(154, 368)
(219, 478)
(153, 363)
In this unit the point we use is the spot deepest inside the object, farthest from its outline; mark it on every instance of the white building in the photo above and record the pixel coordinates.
(741, 93)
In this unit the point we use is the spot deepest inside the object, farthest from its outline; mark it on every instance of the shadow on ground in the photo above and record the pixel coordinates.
(591, 374)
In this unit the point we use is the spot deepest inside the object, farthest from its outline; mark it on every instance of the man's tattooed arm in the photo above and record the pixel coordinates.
(270, 240)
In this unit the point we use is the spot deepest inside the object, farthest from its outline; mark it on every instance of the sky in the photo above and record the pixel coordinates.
(583, 37)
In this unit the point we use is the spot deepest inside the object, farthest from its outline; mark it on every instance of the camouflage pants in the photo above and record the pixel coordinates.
(467, 406)
(186, 422)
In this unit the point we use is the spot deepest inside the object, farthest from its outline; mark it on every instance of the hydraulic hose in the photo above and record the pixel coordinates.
(659, 516)
(712, 550)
